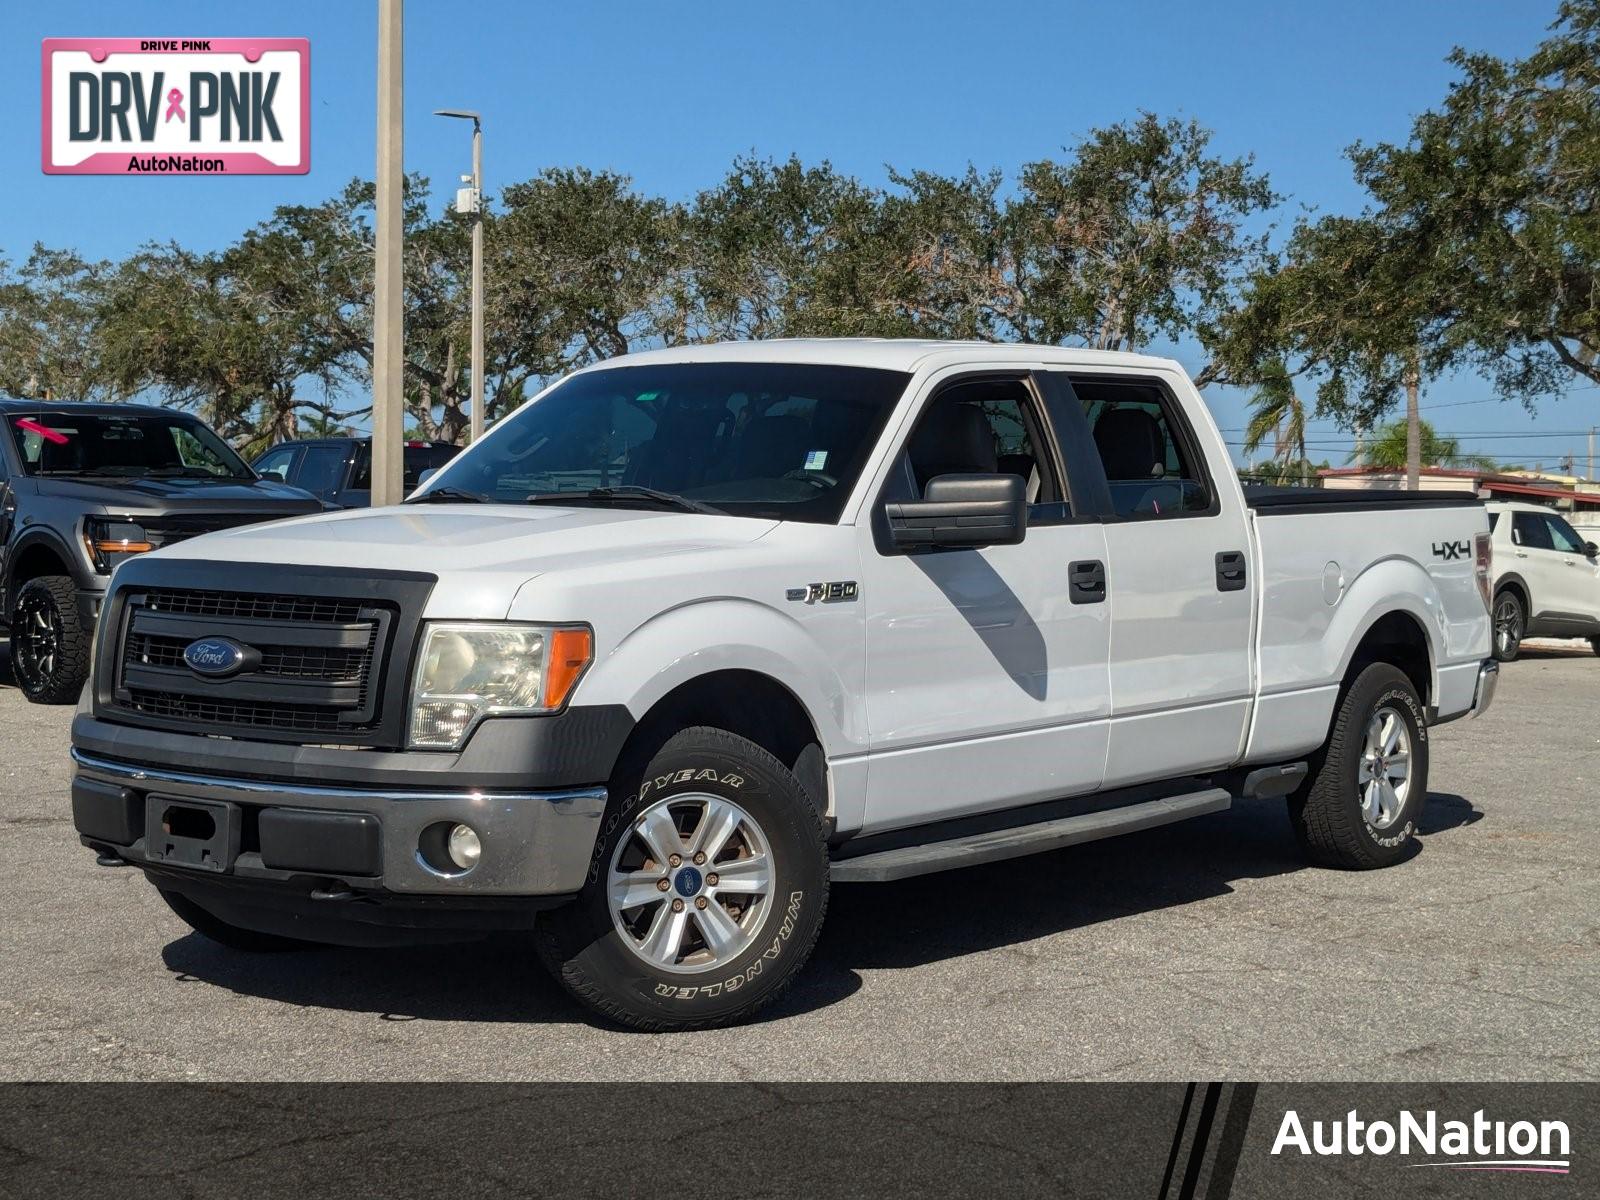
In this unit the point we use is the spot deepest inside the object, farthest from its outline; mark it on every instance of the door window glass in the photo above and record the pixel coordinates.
(274, 464)
(1152, 466)
(1530, 530)
(984, 427)
(1563, 536)
(321, 470)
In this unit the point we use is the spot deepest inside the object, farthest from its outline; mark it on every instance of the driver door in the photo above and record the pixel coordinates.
(987, 683)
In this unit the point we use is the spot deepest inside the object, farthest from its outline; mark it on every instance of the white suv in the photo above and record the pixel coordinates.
(1547, 578)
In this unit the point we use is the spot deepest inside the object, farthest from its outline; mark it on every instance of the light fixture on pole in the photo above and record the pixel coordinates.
(470, 200)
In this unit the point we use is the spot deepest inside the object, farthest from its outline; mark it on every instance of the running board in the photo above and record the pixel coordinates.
(903, 862)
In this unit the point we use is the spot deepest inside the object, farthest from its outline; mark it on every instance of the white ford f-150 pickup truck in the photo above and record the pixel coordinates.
(696, 631)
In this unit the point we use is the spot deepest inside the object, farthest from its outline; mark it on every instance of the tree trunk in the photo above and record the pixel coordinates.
(1413, 431)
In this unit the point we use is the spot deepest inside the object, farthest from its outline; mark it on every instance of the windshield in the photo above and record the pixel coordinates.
(785, 441)
(138, 445)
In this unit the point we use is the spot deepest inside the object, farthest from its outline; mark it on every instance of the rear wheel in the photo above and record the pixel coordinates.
(1361, 806)
(232, 936)
(1594, 644)
(705, 894)
(1510, 622)
(49, 646)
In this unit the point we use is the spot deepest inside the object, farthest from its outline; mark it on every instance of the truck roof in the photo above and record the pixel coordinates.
(10, 404)
(892, 354)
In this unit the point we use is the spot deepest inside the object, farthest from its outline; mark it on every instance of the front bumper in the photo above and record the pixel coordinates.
(330, 840)
(1488, 681)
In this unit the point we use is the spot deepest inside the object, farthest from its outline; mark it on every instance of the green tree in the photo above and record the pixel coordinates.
(1389, 449)
(1141, 233)
(1276, 411)
(48, 343)
(1499, 183)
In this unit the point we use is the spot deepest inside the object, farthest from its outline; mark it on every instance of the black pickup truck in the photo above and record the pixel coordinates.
(84, 487)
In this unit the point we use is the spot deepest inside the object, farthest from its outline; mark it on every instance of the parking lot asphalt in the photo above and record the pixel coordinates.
(1202, 950)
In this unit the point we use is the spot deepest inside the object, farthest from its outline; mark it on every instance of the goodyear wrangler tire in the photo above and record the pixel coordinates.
(1360, 808)
(705, 894)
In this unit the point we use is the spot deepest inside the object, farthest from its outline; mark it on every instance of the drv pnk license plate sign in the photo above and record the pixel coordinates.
(177, 106)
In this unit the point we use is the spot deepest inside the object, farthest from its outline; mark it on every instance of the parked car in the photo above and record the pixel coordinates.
(339, 470)
(1546, 578)
(696, 631)
(84, 487)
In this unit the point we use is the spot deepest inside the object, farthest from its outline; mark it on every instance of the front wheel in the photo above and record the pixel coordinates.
(705, 894)
(49, 645)
(1510, 623)
(1360, 807)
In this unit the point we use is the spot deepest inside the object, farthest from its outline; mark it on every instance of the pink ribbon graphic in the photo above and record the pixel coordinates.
(174, 106)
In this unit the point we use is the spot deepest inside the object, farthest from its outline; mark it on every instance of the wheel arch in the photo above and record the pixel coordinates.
(1397, 637)
(739, 666)
(38, 552)
(1511, 581)
(745, 703)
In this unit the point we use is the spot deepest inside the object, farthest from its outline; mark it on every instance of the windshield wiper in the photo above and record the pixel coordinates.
(622, 494)
(448, 495)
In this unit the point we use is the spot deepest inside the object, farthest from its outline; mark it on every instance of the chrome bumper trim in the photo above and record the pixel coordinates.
(1488, 680)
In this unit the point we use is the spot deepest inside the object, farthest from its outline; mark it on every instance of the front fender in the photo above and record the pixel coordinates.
(728, 634)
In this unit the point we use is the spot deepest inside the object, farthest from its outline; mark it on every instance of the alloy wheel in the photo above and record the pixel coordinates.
(1507, 625)
(690, 884)
(1384, 776)
(36, 636)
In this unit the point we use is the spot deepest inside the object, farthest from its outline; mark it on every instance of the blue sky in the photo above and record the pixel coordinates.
(670, 93)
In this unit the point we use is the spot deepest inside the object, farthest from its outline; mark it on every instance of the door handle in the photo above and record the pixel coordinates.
(1086, 581)
(1522, 554)
(1230, 571)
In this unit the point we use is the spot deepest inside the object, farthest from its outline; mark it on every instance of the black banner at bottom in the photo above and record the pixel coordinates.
(670, 1137)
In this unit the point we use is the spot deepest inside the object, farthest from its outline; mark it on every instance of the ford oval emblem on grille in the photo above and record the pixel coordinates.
(216, 657)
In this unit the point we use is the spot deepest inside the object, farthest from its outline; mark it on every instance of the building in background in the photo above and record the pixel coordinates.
(1576, 498)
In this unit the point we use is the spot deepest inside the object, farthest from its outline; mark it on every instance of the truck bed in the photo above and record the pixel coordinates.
(1273, 500)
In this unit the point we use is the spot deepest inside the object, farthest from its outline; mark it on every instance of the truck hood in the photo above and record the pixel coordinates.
(482, 553)
(180, 495)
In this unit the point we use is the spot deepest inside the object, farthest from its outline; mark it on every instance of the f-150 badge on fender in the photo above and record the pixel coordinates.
(827, 593)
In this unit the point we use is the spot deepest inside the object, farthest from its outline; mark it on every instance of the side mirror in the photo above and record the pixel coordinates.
(1590, 549)
(962, 510)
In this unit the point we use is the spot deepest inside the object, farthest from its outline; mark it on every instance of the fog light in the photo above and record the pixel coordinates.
(463, 847)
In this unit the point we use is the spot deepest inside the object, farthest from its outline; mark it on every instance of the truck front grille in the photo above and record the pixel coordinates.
(308, 671)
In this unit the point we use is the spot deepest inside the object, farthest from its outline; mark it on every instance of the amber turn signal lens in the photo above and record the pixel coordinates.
(570, 651)
(105, 547)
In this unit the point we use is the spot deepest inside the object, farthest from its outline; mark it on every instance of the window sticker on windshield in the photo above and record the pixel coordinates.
(44, 431)
(816, 460)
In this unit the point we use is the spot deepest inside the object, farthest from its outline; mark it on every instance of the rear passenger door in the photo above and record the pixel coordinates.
(1536, 560)
(1178, 569)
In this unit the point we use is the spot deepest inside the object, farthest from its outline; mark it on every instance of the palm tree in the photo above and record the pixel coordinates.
(1388, 449)
(1275, 409)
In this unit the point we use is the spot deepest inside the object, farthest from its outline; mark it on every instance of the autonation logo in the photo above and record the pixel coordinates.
(1477, 1145)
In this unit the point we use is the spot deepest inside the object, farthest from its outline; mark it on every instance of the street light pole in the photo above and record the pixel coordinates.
(476, 415)
(388, 299)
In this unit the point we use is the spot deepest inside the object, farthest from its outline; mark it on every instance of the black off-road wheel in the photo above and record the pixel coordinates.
(1594, 644)
(1360, 808)
(49, 646)
(234, 937)
(1509, 625)
(706, 892)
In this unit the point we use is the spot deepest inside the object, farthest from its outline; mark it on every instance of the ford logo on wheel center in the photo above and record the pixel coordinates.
(215, 657)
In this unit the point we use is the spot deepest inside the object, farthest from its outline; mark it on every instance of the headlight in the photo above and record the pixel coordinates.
(468, 672)
(110, 542)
